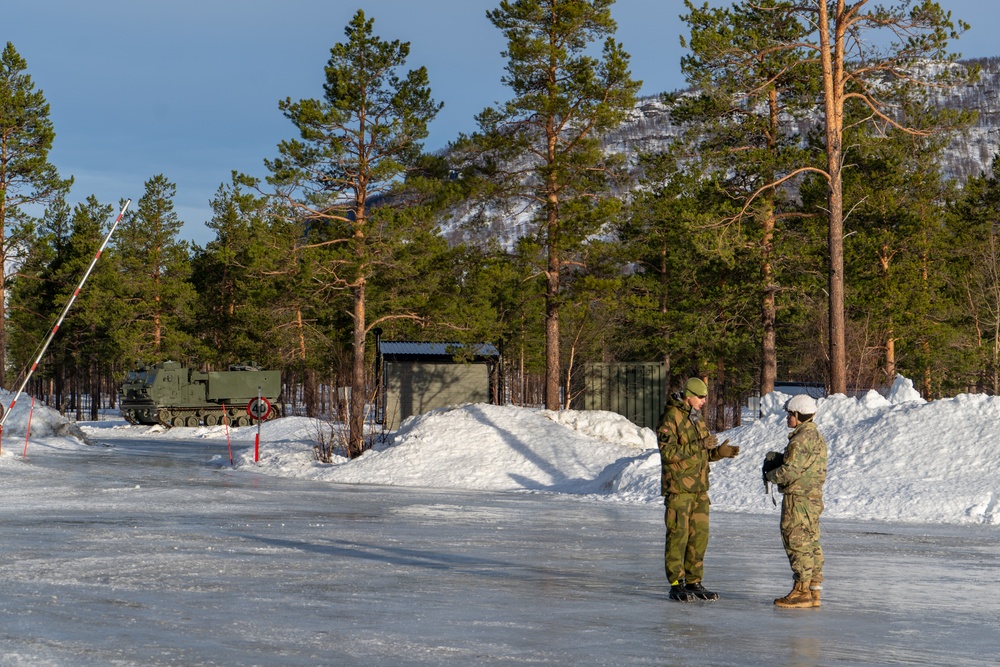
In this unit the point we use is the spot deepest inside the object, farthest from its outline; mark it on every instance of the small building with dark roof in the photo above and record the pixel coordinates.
(415, 378)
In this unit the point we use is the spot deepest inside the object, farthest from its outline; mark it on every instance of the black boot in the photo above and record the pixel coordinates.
(678, 592)
(700, 592)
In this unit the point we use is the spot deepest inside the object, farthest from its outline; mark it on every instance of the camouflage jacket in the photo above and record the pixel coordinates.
(684, 452)
(804, 470)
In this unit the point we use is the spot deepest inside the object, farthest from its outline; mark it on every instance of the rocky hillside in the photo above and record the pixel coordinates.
(649, 127)
(973, 153)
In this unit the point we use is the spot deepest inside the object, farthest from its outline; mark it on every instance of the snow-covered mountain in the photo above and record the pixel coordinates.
(973, 153)
(650, 127)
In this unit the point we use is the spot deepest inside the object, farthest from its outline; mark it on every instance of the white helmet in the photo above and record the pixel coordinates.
(803, 404)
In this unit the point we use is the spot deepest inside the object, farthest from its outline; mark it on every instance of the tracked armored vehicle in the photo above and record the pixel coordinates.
(172, 395)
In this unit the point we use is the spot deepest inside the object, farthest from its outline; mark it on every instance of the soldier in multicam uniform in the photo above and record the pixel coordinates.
(686, 447)
(800, 478)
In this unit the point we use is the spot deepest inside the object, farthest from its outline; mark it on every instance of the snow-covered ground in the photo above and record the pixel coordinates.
(490, 536)
(897, 459)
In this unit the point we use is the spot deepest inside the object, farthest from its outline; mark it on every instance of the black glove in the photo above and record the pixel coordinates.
(728, 451)
(772, 461)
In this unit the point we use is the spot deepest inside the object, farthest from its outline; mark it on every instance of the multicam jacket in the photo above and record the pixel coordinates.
(804, 470)
(684, 454)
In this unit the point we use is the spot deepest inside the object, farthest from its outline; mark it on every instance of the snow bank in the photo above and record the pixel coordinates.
(498, 448)
(903, 461)
(894, 457)
(48, 428)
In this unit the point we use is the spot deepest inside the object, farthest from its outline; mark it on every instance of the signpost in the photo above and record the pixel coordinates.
(258, 408)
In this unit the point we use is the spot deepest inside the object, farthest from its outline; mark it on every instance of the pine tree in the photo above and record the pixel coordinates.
(85, 350)
(745, 124)
(974, 263)
(241, 277)
(26, 176)
(355, 145)
(896, 254)
(33, 301)
(856, 73)
(155, 294)
(686, 300)
(541, 149)
(845, 38)
(657, 315)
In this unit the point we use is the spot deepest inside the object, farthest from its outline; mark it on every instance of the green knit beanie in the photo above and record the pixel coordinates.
(695, 387)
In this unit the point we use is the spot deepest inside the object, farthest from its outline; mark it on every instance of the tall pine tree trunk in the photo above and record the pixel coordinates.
(356, 412)
(833, 97)
(552, 306)
(925, 343)
(838, 356)
(664, 291)
(720, 391)
(890, 356)
(995, 366)
(768, 310)
(3, 317)
(884, 257)
(95, 381)
(308, 374)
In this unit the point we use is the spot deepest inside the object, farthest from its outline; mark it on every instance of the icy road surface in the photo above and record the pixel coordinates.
(152, 553)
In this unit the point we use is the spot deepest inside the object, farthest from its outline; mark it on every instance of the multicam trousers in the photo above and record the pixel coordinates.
(686, 518)
(800, 535)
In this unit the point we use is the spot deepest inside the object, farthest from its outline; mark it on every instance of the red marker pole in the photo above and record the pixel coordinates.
(62, 316)
(225, 420)
(27, 435)
(256, 444)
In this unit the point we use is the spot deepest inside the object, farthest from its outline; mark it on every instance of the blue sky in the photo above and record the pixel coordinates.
(190, 89)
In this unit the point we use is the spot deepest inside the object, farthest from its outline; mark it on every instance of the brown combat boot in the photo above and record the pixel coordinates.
(798, 598)
(815, 588)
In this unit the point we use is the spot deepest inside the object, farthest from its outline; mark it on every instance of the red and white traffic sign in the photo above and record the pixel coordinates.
(259, 408)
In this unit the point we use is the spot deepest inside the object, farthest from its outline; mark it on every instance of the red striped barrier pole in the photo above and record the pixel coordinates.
(62, 316)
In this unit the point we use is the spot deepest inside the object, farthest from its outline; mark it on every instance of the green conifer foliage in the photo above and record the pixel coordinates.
(870, 56)
(541, 149)
(745, 125)
(355, 147)
(155, 295)
(27, 178)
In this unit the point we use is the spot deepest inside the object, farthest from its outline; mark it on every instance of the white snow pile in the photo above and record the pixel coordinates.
(495, 448)
(895, 458)
(46, 424)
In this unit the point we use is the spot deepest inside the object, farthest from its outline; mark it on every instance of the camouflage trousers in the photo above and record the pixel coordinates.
(800, 536)
(686, 517)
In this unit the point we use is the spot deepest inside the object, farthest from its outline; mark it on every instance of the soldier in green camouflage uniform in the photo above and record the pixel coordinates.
(800, 478)
(686, 448)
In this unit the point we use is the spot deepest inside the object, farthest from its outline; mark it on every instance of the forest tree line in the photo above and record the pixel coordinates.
(715, 255)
